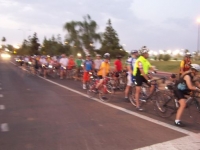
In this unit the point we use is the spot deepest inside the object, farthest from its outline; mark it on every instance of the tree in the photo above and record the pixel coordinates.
(54, 46)
(82, 35)
(73, 38)
(34, 47)
(166, 57)
(110, 42)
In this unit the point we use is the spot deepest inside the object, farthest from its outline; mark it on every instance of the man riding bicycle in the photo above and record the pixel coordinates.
(141, 70)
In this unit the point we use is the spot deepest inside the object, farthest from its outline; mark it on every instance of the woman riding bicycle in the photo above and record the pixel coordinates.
(184, 87)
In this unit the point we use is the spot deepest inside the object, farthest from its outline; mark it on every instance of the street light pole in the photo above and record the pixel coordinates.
(198, 21)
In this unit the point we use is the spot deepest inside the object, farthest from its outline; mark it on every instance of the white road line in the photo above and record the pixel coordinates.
(0, 88)
(4, 127)
(125, 110)
(2, 107)
(1, 95)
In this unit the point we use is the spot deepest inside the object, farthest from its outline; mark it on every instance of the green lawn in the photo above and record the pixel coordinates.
(166, 66)
(169, 66)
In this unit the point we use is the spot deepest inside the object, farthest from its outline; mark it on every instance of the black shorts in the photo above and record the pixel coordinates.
(181, 94)
(100, 77)
(139, 80)
(117, 74)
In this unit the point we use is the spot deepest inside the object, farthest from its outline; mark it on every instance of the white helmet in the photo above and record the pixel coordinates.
(106, 55)
(196, 67)
(144, 49)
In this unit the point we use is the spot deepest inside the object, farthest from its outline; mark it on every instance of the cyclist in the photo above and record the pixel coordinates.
(104, 70)
(141, 69)
(130, 65)
(88, 66)
(63, 63)
(97, 62)
(185, 64)
(184, 86)
(44, 63)
(79, 62)
(118, 70)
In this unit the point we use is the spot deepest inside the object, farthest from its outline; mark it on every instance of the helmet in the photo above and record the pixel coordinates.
(87, 54)
(188, 54)
(106, 55)
(196, 67)
(134, 51)
(144, 50)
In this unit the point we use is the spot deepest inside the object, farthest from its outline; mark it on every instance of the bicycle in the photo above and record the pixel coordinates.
(105, 91)
(118, 83)
(168, 105)
(145, 94)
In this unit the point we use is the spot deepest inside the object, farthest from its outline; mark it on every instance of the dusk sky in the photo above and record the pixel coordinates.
(158, 24)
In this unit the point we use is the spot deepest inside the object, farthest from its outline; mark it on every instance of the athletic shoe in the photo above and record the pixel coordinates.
(179, 123)
(139, 109)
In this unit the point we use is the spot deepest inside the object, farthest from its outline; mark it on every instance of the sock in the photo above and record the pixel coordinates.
(176, 121)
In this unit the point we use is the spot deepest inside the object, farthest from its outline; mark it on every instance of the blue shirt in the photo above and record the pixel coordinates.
(88, 65)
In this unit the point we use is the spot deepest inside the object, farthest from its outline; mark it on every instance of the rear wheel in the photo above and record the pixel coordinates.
(106, 93)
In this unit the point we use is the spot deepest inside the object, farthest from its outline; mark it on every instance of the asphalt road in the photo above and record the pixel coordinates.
(39, 115)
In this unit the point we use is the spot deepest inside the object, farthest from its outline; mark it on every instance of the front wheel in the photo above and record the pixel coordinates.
(194, 111)
(164, 105)
(90, 91)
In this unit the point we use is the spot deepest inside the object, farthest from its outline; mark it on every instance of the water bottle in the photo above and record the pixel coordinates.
(144, 90)
(176, 103)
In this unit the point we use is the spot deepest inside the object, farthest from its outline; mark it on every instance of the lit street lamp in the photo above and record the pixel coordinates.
(198, 21)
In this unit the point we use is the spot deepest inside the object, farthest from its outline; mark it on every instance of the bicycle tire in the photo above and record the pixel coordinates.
(143, 95)
(106, 93)
(164, 104)
(90, 89)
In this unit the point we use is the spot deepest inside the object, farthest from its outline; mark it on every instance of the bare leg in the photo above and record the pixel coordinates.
(181, 109)
(127, 90)
(137, 94)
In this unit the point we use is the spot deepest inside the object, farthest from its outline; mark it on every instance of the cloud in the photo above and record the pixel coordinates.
(155, 23)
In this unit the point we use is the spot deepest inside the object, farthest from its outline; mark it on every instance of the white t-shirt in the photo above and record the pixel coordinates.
(64, 62)
(43, 61)
(97, 63)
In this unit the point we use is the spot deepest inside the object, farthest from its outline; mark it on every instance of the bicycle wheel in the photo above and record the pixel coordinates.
(165, 105)
(131, 96)
(90, 91)
(194, 111)
(142, 96)
(106, 93)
